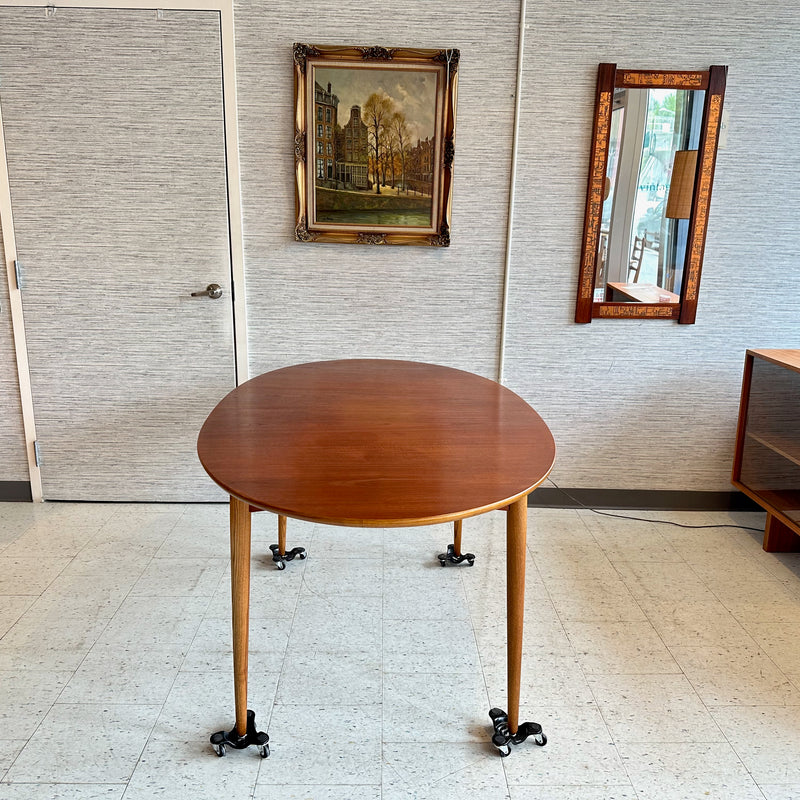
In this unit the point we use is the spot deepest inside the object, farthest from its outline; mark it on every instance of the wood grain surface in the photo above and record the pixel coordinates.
(375, 443)
(782, 357)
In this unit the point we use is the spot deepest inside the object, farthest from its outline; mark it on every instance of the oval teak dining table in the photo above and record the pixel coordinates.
(375, 443)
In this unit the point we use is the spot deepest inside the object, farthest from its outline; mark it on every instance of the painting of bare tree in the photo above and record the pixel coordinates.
(374, 144)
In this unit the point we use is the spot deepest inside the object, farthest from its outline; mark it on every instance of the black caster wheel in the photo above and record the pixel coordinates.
(221, 740)
(502, 737)
(291, 555)
(450, 557)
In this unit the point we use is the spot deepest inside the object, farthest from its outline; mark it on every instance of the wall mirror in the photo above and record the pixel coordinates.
(653, 151)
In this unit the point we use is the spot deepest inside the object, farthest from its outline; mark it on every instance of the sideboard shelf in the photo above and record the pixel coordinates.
(766, 465)
(782, 445)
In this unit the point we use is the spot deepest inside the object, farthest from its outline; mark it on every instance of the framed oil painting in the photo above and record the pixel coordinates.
(374, 144)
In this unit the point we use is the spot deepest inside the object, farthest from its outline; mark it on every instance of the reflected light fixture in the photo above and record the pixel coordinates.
(681, 187)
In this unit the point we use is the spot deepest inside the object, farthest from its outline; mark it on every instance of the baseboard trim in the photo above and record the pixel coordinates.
(642, 499)
(550, 497)
(15, 492)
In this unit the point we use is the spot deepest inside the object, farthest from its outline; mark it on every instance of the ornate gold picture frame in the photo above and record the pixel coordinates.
(374, 144)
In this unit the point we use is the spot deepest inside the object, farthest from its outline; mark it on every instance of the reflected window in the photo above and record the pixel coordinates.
(653, 139)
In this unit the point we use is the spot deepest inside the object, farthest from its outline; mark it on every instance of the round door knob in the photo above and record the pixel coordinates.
(213, 290)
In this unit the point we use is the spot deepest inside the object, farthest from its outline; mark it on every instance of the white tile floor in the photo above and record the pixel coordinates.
(663, 662)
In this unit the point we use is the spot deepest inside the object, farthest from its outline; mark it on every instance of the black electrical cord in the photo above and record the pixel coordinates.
(645, 519)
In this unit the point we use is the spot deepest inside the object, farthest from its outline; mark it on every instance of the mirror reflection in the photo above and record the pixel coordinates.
(649, 185)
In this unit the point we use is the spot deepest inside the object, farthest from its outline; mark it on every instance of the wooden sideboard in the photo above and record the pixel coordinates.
(766, 464)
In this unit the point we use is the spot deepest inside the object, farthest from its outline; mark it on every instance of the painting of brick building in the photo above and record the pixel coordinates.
(374, 145)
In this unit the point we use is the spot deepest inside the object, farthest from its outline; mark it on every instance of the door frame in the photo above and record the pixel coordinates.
(235, 225)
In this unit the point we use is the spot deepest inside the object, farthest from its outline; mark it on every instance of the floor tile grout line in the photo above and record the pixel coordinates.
(727, 740)
(74, 671)
(736, 753)
(302, 564)
(664, 644)
(462, 577)
(156, 717)
(578, 661)
(147, 739)
(128, 594)
(89, 650)
(30, 524)
(462, 580)
(755, 642)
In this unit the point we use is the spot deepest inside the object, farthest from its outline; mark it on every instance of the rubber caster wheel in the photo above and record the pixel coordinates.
(540, 740)
(263, 751)
(219, 749)
(280, 564)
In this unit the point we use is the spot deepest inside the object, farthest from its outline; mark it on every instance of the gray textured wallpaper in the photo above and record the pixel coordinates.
(651, 404)
(115, 148)
(632, 404)
(320, 301)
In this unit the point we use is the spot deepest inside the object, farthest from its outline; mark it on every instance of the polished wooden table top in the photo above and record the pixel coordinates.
(369, 442)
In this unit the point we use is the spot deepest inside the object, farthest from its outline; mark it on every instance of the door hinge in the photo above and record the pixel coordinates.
(37, 456)
(18, 274)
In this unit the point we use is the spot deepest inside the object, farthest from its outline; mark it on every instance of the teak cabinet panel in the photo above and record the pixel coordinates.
(766, 464)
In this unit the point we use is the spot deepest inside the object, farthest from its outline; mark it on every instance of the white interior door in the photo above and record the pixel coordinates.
(114, 131)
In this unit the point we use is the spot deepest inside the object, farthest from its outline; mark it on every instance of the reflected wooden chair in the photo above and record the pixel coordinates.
(602, 255)
(637, 253)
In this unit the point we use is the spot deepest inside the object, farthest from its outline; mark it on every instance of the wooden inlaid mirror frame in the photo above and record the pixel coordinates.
(596, 298)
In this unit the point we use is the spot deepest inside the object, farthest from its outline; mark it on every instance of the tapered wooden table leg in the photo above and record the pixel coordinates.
(507, 728)
(457, 537)
(244, 731)
(281, 534)
(516, 531)
(240, 604)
